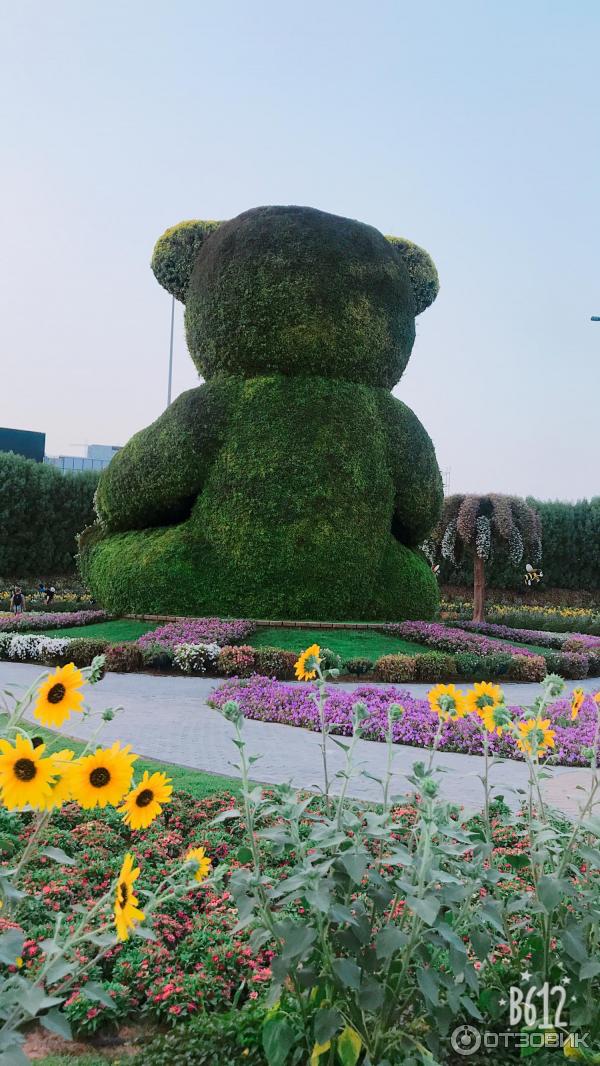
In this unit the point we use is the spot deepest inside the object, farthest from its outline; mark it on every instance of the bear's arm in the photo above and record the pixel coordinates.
(418, 489)
(155, 479)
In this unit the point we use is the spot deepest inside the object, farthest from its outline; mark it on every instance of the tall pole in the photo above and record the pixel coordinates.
(171, 352)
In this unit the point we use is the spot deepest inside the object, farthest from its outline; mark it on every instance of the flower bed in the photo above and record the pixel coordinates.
(558, 619)
(273, 701)
(570, 641)
(446, 638)
(198, 631)
(49, 620)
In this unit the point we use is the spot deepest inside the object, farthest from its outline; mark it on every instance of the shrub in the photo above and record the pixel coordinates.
(435, 667)
(157, 656)
(469, 664)
(124, 658)
(394, 668)
(359, 666)
(211, 1039)
(196, 658)
(330, 660)
(527, 668)
(275, 662)
(82, 650)
(236, 660)
(567, 664)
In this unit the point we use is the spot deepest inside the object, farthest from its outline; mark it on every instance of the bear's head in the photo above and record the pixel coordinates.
(293, 290)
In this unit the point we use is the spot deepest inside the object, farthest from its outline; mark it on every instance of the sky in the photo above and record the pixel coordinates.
(471, 127)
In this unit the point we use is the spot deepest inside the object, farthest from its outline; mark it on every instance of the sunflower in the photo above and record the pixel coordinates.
(577, 699)
(483, 697)
(534, 736)
(61, 789)
(306, 665)
(59, 695)
(204, 863)
(596, 697)
(25, 777)
(127, 913)
(143, 804)
(103, 777)
(447, 702)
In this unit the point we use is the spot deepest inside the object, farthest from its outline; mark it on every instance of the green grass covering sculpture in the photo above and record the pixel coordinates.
(291, 484)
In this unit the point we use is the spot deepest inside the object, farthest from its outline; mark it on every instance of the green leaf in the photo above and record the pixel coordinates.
(35, 1000)
(574, 945)
(427, 909)
(481, 942)
(389, 940)
(355, 863)
(58, 855)
(327, 1023)
(57, 970)
(518, 861)
(225, 816)
(550, 891)
(11, 946)
(244, 854)
(347, 972)
(427, 982)
(349, 1046)
(57, 1022)
(591, 968)
(96, 992)
(278, 1039)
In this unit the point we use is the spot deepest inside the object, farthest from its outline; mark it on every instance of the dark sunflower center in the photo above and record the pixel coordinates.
(56, 693)
(145, 797)
(124, 895)
(99, 777)
(36, 741)
(25, 769)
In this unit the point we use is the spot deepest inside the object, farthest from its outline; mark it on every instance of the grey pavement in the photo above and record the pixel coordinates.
(167, 718)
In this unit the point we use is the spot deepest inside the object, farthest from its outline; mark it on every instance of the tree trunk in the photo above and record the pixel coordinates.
(478, 589)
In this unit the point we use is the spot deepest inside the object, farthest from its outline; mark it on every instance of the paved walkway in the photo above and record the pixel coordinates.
(167, 718)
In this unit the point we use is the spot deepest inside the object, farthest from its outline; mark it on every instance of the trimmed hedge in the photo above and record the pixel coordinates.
(295, 516)
(41, 512)
(300, 291)
(292, 483)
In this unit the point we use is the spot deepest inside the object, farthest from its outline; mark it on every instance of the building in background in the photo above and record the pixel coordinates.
(97, 458)
(23, 442)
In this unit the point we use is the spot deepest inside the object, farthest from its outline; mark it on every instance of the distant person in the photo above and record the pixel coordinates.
(17, 601)
(50, 594)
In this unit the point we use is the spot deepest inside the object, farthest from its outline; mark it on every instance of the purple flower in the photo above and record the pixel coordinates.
(267, 700)
(445, 638)
(50, 620)
(198, 631)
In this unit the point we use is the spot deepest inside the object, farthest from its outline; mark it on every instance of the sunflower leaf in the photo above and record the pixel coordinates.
(58, 855)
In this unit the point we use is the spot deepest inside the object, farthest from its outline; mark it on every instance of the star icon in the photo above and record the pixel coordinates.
(565, 980)
(501, 1002)
(526, 976)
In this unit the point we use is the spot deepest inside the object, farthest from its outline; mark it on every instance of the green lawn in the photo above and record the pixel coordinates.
(349, 643)
(118, 631)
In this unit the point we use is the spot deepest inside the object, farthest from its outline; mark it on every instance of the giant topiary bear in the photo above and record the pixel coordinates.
(291, 484)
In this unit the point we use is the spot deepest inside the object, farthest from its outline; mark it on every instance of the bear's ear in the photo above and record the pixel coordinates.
(175, 253)
(421, 269)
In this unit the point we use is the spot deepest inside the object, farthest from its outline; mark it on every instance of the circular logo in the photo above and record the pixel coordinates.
(465, 1040)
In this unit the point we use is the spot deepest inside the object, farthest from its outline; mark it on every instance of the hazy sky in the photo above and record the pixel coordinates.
(471, 127)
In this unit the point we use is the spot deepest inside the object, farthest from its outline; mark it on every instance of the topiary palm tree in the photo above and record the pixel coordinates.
(480, 525)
